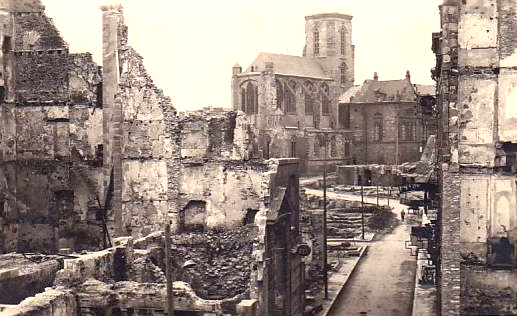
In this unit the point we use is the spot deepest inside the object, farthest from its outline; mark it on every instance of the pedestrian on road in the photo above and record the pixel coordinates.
(402, 214)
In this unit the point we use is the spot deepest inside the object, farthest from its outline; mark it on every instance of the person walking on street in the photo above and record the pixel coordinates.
(402, 214)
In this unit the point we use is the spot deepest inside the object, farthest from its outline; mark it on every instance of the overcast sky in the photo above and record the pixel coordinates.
(190, 46)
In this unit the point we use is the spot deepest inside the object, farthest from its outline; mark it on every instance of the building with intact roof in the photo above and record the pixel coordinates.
(388, 124)
(293, 100)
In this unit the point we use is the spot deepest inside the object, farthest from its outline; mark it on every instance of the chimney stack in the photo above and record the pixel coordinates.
(375, 76)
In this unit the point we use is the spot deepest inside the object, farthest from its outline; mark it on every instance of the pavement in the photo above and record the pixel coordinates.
(337, 280)
(426, 297)
(384, 281)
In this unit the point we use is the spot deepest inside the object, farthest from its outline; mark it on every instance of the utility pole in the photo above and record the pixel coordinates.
(362, 208)
(168, 272)
(377, 194)
(325, 264)
(397, 142)
(389, 194)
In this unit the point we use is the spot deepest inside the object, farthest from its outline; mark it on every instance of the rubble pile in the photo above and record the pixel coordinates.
(222, 261)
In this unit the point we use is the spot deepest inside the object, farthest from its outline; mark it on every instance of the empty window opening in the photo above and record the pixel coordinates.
(249, 219)
(193, 217)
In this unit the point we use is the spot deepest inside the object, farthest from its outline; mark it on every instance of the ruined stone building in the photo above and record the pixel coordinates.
(387, 123)
(476, 61)
(97, 159)
(50, 136)
(292, 100)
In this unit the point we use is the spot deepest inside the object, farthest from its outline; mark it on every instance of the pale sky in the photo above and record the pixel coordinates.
(189, 47)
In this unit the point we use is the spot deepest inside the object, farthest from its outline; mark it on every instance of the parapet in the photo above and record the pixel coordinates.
(112, 7)
(328, 16)
(26, 6)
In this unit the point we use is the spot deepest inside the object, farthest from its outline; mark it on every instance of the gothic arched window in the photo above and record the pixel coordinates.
(243, 99)
(342, 73)
(309, 106)
(325, 99)
(378, 127)
(249, 98)
(290, 97)
(279, 94)
(333, 147)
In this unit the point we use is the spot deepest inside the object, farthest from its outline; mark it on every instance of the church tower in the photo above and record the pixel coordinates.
(328, 38)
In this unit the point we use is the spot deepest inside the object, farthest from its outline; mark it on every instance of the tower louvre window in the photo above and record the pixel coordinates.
(316, 42)
(343, 39)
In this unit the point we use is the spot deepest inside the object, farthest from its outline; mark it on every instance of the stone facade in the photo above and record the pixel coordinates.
(292, 101)
(475, 70)
(386, 121)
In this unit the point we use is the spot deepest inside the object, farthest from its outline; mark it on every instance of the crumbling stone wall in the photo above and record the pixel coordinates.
(140, 157)
(476, 74)
(50, 137)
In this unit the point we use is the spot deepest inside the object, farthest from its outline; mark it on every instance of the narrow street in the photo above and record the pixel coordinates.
(383, 283)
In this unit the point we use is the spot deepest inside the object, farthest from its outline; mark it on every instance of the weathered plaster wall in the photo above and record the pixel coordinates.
(229, 191)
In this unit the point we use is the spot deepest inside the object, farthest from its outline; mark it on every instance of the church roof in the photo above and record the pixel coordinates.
(373, 91)
(288, 65)
(422, 89)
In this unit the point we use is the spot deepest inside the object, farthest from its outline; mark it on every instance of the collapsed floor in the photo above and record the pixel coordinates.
(129, 279)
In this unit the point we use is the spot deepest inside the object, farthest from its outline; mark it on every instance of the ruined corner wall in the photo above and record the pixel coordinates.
(49, 135)
(277, 278)
(148, 153)
(476, 99)
(139, 139)
(218, 186)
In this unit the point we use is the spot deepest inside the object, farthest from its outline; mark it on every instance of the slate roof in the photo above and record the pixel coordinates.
(350, 94)
(422, 89)
(288, 65)
(373, 91)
